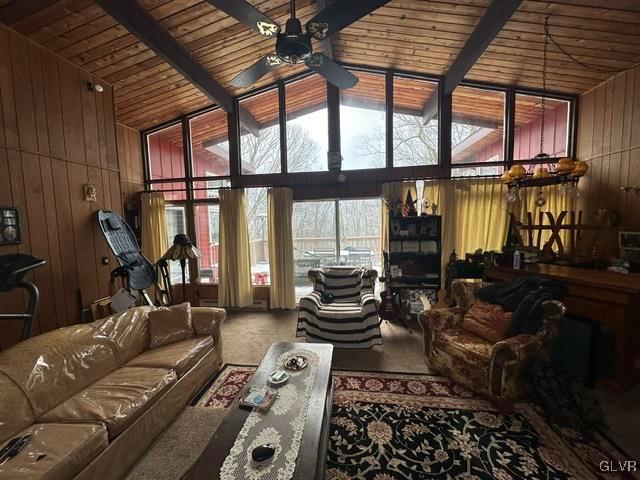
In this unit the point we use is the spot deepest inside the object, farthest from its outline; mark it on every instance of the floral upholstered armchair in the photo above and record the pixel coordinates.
(496, 370)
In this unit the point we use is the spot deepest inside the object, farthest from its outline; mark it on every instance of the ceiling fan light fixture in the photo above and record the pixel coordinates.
(267, 29)
(293, 46)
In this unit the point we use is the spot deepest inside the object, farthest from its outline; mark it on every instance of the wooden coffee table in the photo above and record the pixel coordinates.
(310, 463)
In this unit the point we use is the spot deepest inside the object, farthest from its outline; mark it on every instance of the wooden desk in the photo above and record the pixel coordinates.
(610, 298)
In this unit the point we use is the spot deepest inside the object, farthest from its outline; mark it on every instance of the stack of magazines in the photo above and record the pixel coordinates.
(260, 398)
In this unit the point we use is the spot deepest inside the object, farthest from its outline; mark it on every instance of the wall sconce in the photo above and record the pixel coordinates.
(95, 87)
(89, 193)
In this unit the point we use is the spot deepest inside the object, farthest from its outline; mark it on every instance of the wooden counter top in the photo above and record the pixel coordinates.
(625, 282)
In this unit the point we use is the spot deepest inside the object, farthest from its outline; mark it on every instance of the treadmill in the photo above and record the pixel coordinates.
(13, 268)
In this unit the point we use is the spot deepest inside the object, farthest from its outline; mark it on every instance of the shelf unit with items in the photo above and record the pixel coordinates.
(415, 252)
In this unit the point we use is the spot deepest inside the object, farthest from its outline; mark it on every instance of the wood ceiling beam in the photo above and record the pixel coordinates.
(493, 19)
(327, 43)
(132, 16)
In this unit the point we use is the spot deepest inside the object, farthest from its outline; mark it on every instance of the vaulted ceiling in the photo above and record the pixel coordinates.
(413, 35)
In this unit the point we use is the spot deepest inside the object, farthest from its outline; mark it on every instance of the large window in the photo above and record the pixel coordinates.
(256, 200)
(209, 148)
(207, 219)
(362, 123)
(328, 231)
(166, 153)
(166, 160)
(477, 129)
(526, 142)
(316, 242)
(260, 134)
(415, 122)
(307, 124)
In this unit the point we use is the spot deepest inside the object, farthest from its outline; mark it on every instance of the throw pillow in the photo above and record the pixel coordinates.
(169, 325)
(487, 321)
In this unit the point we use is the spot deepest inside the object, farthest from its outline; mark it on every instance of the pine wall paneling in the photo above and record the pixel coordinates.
(131, 171)
(609, 140)
(55, 136)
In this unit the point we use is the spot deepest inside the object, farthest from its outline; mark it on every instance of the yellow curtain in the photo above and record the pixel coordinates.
(432, 193)
(234, 288)
(475, 215)
(556, 203)
(154, 225)
(282, 291)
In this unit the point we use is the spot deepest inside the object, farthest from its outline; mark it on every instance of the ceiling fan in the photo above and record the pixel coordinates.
(294, 46)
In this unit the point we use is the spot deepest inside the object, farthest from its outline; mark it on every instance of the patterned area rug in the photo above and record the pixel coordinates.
(392, 426)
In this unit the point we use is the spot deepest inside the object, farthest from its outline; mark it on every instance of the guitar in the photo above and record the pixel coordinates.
(388, 309)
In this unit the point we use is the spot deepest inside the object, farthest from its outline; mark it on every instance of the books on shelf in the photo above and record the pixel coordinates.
(260, 398)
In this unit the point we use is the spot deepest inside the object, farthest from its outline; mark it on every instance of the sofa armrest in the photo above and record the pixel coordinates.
(516, 348)
(509, 357)
(434, 320)
(207, 321)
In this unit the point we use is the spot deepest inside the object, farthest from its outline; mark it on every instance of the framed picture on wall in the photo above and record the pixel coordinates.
(629, 241)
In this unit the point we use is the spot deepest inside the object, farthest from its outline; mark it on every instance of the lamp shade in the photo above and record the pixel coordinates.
(182, 249)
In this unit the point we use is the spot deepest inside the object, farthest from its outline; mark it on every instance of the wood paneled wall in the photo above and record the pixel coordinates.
(55, 136)
(131, 171)
(609, 140)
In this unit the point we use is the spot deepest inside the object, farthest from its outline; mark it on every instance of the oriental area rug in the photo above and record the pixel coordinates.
(388, 426)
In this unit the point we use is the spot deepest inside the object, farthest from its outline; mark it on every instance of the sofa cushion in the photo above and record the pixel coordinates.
(487, 320)
(15, 410)
(179, 356)
(115, 400)
(67, 449)
(128, 331)
(169, 325)
(51, 367)
(465, 346)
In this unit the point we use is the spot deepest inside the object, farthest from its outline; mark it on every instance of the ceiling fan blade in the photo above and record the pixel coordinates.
(249, 15)
(340, 14)
(256, 71)
(334, 73)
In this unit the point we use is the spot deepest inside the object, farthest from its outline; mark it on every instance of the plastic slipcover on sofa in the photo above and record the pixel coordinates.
(94, 396)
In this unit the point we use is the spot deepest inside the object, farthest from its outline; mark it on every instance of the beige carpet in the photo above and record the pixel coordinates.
(178, 448)
(246, 337)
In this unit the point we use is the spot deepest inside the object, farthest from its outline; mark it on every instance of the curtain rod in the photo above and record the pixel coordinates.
(469, 177)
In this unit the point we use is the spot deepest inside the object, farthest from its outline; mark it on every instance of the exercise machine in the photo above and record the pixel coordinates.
(13, 268)
(135, 270)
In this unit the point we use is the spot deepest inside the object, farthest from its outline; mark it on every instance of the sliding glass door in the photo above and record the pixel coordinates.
(334, 232)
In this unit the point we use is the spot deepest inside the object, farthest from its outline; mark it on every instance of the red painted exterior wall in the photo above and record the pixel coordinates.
(527, 137)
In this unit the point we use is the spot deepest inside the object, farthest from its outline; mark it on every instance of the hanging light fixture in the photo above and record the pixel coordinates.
(565, 172)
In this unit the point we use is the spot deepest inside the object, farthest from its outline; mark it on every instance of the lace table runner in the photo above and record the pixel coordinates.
(282, 426)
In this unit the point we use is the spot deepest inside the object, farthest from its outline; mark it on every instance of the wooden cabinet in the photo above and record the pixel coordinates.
(610, 298)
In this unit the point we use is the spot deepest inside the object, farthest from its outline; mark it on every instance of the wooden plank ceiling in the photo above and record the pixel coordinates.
(414, 35)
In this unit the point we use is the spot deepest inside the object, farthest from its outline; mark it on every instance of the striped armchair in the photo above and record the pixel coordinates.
(348, 316)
